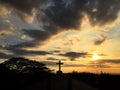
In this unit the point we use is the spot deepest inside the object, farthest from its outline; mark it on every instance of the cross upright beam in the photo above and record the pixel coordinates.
(59, 64)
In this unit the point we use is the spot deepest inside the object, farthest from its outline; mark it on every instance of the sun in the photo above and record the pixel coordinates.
(95, 57)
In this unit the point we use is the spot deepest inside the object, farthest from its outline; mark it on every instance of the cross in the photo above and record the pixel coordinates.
(59, 64)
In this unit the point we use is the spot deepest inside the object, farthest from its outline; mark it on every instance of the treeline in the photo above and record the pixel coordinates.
(103, 81)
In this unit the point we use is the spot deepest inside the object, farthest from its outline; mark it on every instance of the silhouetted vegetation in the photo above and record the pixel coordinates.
(103, 81)
(22, 66)
(17, 73)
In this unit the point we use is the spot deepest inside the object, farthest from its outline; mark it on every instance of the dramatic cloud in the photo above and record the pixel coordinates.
(37, 34)
(20, 52)
(55, 16)
(74, 55)
(63, 15)
(26, 10)
(38, 37)
(24, 6)
(102, 12)
(69, 15)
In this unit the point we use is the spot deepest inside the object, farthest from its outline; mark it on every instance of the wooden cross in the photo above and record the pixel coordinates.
(59, 64)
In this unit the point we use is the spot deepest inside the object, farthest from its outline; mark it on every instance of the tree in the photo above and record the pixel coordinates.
(22, 65)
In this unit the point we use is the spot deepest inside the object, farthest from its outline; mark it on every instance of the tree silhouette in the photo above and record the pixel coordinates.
(21, 72)
(23, 65)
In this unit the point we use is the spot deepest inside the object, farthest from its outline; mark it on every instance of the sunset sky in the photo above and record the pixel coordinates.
(83, 34)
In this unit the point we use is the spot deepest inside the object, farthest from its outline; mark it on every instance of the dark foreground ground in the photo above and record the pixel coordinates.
(71, 81)
(60, 83)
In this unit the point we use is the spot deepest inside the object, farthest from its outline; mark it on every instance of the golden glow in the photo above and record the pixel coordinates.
(95, 57)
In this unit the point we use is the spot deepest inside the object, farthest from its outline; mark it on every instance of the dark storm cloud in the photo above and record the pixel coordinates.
(61, 16)
(32, 43)
(66, 17)
(37, 34)
(20, 52)
(24, 5)
(69, 14)
(100, 12)
(74, 55)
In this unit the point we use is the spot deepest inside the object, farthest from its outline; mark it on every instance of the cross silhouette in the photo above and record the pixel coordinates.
(59, 64)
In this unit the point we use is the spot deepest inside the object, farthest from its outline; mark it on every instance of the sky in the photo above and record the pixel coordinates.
(83, 34)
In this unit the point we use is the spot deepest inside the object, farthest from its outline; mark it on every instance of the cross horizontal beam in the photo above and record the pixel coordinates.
(59, 64)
